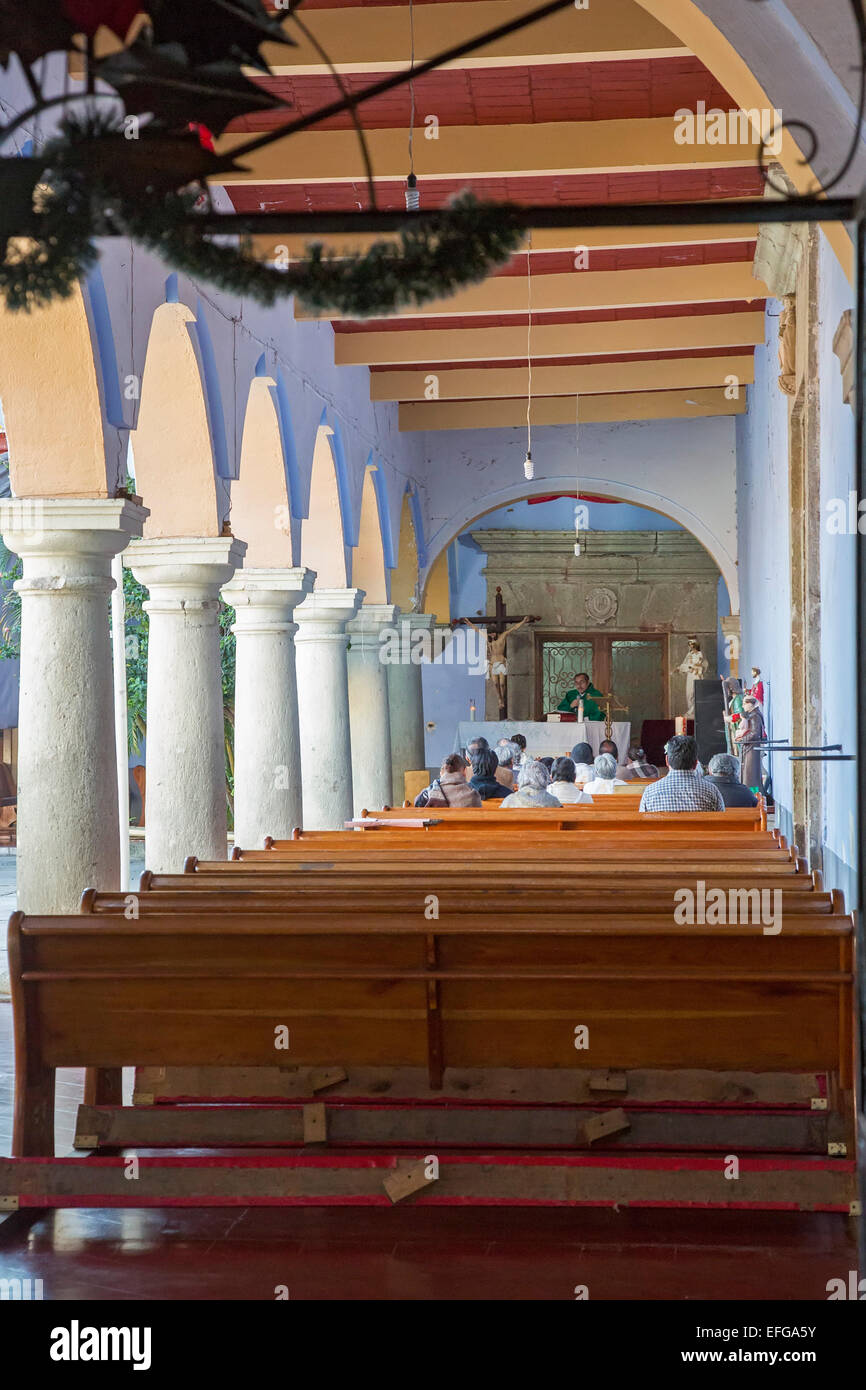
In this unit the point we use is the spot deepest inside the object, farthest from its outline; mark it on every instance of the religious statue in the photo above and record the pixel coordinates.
(757, 687)
(582, 699)
(497, 662)
(733, 697)
(694, 667)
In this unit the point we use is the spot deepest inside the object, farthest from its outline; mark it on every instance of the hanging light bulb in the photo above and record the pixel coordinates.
(528, 466)
(413, 192)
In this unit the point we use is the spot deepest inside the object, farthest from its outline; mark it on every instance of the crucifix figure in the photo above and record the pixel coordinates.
(497, 630)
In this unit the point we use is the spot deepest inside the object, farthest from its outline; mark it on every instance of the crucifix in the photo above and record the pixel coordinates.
(610, 702)
(497, 630)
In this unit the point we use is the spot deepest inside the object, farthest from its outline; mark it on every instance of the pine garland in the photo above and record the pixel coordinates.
(83, 197)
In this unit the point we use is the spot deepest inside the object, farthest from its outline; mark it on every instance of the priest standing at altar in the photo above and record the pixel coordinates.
(583, 692)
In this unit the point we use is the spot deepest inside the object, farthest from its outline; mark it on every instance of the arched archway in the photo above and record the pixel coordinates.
(371, 570)
(262, 497)
(65, 448)
(324, 547)
(617, 491)
(174, 424)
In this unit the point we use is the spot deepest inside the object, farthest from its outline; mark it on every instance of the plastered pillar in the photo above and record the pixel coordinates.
(368, 707)
(267, 742)
(68, 833)
(405, 703)
(185, 810)
(323, 705)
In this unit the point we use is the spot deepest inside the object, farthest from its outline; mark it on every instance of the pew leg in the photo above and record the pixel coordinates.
(103, 1086)
(33, 1130)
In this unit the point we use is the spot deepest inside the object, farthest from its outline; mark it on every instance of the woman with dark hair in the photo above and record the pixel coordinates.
(562, 784)
(548, 762)
(483, 779)
(583, 759)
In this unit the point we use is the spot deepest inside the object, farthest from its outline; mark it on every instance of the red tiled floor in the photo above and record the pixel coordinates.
(411, 1253)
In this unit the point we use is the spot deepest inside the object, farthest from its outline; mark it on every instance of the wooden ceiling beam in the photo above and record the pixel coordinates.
(415, 346)
(377, 38)
(266, 248)
(560, 410)
(590, 289)
(595, 378)
(552, 149)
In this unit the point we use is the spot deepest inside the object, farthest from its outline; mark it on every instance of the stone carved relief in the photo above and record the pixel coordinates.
(601, 605)
(788, 346)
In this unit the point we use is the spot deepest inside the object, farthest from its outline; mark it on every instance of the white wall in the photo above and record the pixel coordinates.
(765, 552)
(838, 630)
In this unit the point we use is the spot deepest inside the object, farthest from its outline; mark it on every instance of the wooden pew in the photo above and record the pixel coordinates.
(470, 993)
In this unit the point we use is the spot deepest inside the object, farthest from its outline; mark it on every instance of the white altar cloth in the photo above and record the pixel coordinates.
(544, 740)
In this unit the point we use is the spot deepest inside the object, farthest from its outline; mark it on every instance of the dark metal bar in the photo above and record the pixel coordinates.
(711, 213)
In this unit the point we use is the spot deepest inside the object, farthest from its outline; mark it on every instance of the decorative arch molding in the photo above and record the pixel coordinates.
(175, 466)
(57, 393)
(602, 487)
(765, 57)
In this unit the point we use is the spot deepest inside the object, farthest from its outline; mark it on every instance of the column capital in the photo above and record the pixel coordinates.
(418, 622)
(251, 584)
(372, 617)
(179, 569)
(325, 612)
(70, 526)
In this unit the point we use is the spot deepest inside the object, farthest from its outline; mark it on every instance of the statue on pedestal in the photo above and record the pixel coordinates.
(694, 667)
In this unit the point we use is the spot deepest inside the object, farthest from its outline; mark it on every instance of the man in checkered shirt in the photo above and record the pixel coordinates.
(685, 788)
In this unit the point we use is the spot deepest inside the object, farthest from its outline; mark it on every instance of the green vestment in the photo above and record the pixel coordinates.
(590, 709)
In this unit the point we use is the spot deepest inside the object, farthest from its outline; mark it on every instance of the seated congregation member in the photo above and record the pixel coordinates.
(450, 787)
(685, 788)
(505, 752)
(724, 773)
(483, 780)
(605, 778)
(532, 786)
(607, 745)
(637, 768)
(581, 756)
(519, 741)
(548, 763)
(563, 786)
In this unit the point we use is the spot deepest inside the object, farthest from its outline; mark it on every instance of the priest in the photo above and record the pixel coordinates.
(582, 694)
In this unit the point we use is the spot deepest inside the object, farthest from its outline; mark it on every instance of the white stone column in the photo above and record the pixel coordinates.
(68, 834)
(368, 707)
(406, 705)
(323, 705)
(185, 806)
(267, 743)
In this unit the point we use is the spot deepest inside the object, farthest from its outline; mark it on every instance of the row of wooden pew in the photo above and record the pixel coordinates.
(450, 1007)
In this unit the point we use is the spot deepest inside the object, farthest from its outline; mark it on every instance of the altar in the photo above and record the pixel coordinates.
(552, 739)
